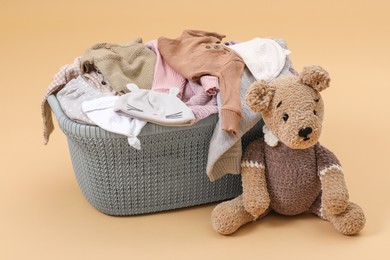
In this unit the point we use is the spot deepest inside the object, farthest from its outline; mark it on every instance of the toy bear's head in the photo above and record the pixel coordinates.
(291, 107)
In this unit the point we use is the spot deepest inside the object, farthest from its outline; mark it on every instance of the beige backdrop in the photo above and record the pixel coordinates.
(43, 214)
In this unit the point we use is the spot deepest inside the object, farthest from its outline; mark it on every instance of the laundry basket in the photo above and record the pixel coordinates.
(169, 172)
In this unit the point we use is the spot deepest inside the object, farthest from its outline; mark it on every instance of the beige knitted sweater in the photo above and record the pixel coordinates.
(121, 64)
(293, 175)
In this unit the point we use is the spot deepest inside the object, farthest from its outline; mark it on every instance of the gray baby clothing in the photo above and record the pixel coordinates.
(74, 94)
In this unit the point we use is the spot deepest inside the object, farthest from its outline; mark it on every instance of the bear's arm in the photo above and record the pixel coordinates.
(254, 186)
(334, 190)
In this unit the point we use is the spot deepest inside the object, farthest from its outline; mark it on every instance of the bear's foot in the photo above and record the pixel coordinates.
(230, 215)
(349, 222)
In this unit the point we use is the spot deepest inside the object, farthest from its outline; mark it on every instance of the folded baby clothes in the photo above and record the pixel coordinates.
(155, 107)
(265, 58)
(74, 94)
(101, 112)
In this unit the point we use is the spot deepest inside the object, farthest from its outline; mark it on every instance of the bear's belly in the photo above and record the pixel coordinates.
(292, 179)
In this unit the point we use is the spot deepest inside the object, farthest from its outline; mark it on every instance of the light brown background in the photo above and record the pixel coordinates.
(43, 214)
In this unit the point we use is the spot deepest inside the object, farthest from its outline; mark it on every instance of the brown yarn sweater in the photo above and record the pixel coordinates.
(293, 175)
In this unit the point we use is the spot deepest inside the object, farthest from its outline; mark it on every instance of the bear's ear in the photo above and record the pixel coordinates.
(315, 77)
(259, 96)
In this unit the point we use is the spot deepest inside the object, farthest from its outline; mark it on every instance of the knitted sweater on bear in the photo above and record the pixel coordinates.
(293, 175)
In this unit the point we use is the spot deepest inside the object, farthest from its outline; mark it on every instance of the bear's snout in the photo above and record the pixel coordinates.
(304, 132)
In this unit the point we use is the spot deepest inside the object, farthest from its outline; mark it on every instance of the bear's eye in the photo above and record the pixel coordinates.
(314, 112)
(285, 117)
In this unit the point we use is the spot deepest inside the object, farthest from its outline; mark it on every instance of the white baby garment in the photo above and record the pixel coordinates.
(74, 93)
(155, 107)
(101, 112)
(265, 58)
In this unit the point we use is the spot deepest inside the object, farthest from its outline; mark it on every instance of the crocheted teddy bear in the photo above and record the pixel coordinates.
(287, 170)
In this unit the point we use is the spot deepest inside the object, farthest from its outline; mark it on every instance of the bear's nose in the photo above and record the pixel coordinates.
(304, 132)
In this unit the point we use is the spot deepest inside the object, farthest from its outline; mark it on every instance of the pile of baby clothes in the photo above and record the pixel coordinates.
(205, 75)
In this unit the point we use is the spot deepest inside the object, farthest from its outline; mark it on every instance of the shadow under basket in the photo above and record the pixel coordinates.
(169, 172)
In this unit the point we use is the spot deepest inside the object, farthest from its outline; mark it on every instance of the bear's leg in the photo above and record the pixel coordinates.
(230, 215)
(349, 222)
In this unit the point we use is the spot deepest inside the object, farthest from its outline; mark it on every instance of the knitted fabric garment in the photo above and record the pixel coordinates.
(210, 84)
(65, 74)
(225, 150)
(265, 58)
(198, 53)
(155, 107)
(293, 177)
(122, 64)
(201, 104)
(192, 93)
(165, 77)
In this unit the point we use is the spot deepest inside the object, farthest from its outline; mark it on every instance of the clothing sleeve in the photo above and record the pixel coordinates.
(230, 95)
(152, 45)
(210, 84)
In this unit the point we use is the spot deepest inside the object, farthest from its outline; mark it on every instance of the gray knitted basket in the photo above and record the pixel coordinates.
(168, 173)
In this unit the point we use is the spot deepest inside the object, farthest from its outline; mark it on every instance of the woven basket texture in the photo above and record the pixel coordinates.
(169, 172)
